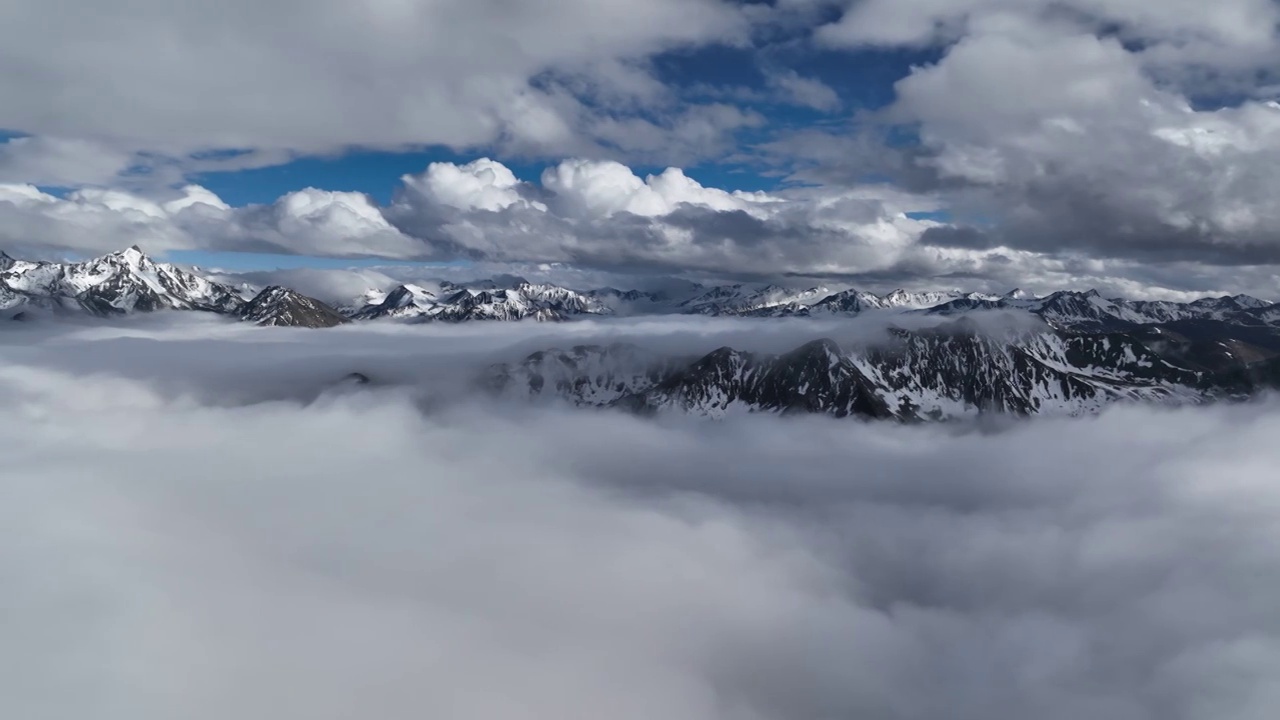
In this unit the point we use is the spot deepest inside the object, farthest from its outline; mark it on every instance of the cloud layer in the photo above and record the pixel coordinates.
(256, 556)
(600, 216)
(317, 76)
(1105, 143)
(597, 213)
(1100, 129)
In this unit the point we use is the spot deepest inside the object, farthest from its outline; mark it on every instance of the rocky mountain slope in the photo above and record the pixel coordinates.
(122, 282)
(953, 371)
(129, 282)
(282, 307)
(1067, 353)
(1089, 311)
(459, 303)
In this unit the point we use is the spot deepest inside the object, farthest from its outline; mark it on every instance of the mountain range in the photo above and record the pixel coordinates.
(959, 369)
(129, 282)
(1069, 352)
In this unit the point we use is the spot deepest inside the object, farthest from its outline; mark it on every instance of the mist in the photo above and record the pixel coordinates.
(192, 526)
(231, 363)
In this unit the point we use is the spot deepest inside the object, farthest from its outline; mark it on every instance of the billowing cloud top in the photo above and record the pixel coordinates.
(1126, 144)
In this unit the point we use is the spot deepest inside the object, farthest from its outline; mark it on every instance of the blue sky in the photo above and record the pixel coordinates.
(1103, 142)
(734, 74)
(863, 80)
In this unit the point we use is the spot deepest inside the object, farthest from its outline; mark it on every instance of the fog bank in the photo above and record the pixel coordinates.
(169, 553)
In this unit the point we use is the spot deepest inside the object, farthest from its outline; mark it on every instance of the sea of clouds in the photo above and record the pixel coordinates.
(196, 522)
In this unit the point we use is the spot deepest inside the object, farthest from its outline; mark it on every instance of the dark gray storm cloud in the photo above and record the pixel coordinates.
(178, 552)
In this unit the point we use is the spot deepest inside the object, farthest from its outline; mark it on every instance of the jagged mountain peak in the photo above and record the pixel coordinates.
(281, 306)
(946, 372)
(1074, 294)
(403, 301)
(1239, 302)
(274, 293)
(410, 289)
(120, 282)
(913, 299)
(132, 256)
(847, 302)
(479, 300)
(753, 300)
(1248, 301)
(129, 281)
(1086, 309)
(1068, 309)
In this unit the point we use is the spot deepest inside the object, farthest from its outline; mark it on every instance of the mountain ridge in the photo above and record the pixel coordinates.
(128, 282)
(950, 372)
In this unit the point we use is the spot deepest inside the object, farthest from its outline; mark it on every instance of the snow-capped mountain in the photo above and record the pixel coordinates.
(1089, 311)
(129, 282)
(775, 301)
(959, 370)
(1080, 310)
(369, 298)
(121, 282)
(815, 378)
(502, 298)
(405, 301)
(848, 302)
(1223, 308)
(1075, 310)
(505, 304)
(482, 301)
(920, 300)
(818, 303)
(748, 300)
(952, 371)
(282, 307)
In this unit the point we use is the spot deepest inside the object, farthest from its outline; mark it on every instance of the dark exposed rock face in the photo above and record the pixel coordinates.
(813, 378)
(1090, 312)
(942, 373)
(282, 307)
